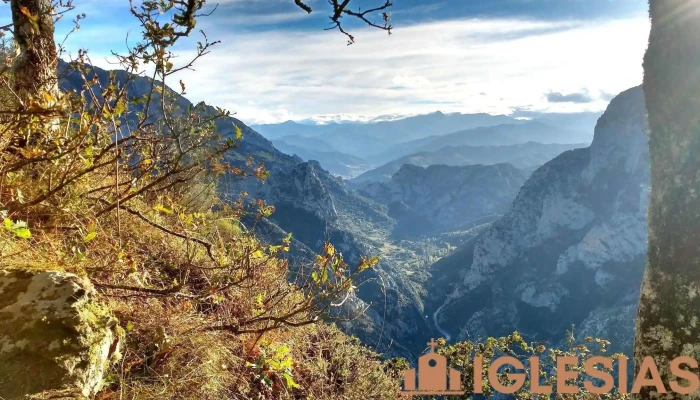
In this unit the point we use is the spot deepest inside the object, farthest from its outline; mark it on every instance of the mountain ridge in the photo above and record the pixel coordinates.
(571, 249)
(521, 155)
(449, 197)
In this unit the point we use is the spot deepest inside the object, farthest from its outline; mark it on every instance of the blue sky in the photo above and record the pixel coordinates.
(277, 63)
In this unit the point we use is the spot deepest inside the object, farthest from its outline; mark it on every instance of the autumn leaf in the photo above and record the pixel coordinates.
(163, 209)
(89, 236)
(33, 19)
(24, 10)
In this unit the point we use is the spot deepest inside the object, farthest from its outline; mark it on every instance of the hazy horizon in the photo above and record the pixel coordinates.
(276, 63)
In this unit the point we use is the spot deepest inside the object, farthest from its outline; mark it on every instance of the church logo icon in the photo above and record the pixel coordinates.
(434, 378)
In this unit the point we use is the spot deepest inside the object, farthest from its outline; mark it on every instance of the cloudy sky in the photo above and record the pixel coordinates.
(276, 63)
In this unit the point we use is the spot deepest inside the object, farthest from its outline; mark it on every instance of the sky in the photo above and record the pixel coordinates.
(276, 63)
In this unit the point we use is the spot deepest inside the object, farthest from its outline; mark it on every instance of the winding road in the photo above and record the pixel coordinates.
(437, 325)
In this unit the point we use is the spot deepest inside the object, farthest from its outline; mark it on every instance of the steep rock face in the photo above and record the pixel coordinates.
(53, 335)
(317, 207)
(572, 248)
(301, 187)
(450, 197)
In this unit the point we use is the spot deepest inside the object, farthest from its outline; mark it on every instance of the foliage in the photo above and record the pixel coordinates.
(75, 161)
(121, 188)
(460, 356)
(18, 228)
(274, 361)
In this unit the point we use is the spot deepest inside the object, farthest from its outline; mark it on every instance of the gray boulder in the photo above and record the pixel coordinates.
(54, 336)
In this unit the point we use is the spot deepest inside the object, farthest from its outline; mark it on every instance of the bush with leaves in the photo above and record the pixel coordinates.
(461, 356)
(73, 161)
(121, 188)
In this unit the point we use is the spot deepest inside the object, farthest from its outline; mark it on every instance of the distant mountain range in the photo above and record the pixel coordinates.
(395, 131)
(349, 150)
(525, 155)
(496, 135)
(579, 122)
(337, 162)
(381, 142)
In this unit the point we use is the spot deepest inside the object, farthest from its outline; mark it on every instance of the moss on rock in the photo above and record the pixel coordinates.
(53, 334)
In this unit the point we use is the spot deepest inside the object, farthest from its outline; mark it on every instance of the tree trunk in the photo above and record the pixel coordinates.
(668, 320)
(35, 68)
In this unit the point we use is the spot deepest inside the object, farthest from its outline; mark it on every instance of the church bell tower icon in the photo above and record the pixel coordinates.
(432, 376)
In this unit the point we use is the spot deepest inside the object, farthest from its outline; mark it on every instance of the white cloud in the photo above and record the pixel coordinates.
(485, 65)
(260, 19)
(409, 81)
(259, 114)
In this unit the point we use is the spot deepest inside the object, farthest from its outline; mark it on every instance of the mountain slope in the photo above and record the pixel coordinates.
(448, 197)
(570, 251)
(317, 207)
(497, 135)
(252, 144)
(525, 155)
(337, 162)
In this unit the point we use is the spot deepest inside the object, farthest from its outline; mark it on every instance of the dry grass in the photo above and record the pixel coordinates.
(169, 352)
(174, 271)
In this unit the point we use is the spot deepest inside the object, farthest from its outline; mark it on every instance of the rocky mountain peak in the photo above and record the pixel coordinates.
(571, 246)
(449, 196)
(617, 142)
(303, 187)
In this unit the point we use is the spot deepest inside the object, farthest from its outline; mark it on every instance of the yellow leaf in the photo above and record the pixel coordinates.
(258, 254)
(89, 236)
(32, 153)
(163, 209)
(119, 108)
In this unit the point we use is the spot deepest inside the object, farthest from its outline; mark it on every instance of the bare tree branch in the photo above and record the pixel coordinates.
(341, 9)
(303, 6)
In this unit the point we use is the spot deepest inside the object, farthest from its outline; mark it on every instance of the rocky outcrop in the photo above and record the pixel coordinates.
(317, 206)
(54, 336)
(449, 196)
(571, 250)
